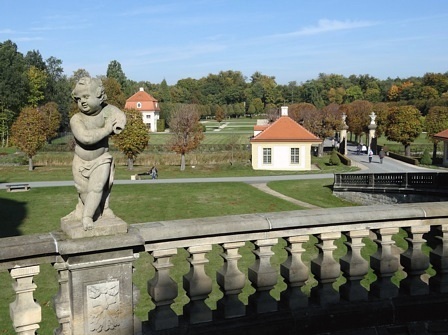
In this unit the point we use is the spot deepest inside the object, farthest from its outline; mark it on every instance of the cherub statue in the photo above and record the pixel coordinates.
(93, 166)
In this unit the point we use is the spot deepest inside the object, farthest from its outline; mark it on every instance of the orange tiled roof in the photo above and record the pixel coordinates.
(261, 127)
(147, 100)
(286, 129)
(443, 135)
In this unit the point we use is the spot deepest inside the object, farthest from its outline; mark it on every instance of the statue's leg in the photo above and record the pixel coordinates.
(98, 178)
(107, 212)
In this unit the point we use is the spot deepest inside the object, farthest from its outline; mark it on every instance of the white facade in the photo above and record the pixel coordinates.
(284, 156)
(150, 120)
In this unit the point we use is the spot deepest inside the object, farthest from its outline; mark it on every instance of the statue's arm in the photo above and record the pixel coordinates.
(89, 136)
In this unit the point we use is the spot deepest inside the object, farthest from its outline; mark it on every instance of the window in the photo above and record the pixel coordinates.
(148, 116)
(266, 155)
(139, 105)
(295, 155)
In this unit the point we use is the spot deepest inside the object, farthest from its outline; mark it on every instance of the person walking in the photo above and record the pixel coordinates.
(381, 154)
(370, 153)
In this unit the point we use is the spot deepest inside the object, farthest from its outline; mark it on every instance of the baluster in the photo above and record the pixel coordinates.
(439, 260)
(414, 262)
(354, 267)
(263, 277)
(384, 264)
(232, 281)
(295, 273)
(62, 300)
(24, 311)
(198, 286)
(163, 290)
(325, 269)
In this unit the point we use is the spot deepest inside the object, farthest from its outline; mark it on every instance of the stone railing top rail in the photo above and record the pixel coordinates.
(46, 248)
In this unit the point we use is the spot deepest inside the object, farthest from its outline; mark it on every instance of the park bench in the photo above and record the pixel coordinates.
(17, 187)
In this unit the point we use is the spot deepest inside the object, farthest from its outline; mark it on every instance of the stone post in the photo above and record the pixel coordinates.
(101, 292)
(384, 264)
(24, 311)
(295, 273)
(163, 290)
(61, 301)
(354, 267)
(325, 269)
(232, 281)
(439, 261)
(198, 286)
(372, 127)
(343, 134)
(263, 277)
(414, 262)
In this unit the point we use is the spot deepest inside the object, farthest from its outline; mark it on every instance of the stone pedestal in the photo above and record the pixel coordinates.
(102, 227)
(101, 293)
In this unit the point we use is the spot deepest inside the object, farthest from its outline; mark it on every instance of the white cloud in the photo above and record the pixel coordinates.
(326, 26)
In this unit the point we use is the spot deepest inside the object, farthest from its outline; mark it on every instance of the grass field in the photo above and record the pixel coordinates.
(23, 213)
(40, 210)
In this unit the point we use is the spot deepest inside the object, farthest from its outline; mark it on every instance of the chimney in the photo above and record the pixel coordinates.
(141, 89)
(284, 111)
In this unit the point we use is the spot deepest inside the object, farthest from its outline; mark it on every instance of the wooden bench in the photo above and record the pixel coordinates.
(17, 187)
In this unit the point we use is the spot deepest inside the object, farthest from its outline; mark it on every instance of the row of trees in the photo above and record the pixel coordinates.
(29, 81)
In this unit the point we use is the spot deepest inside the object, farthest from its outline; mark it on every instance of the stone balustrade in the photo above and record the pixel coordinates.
(322, 268)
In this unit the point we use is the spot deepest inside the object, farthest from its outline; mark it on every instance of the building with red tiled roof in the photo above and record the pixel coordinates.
(147, 105)
(283, 145)
(443, 136)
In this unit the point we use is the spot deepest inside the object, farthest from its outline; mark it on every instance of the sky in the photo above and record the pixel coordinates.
(291, 40)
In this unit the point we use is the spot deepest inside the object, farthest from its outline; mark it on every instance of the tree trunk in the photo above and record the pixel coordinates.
(434, 152)
(320, 151)
(30, 163)
(182, 162)
(407, 150)
(130, 164)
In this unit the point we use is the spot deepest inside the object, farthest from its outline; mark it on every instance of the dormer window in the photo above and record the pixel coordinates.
(139, 105)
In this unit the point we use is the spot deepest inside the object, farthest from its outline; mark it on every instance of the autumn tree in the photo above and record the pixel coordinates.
(134, 138)
(358, 118)
(28, 133)
(52, 119)
(114, 92)
(381, 110)
(404, 126)
(219, 114)
(301, 111)
(186, 131)
(436, 121)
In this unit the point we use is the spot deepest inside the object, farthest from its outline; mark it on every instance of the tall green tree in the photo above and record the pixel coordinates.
(34, 58)
(134, 138)
(436, 121)
(404, 126)
(13, 79)
(28, 133)
(115, 71)
(37, 80)
(186, 131)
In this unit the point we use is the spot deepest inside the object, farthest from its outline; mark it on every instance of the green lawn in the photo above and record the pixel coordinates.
(22, 213)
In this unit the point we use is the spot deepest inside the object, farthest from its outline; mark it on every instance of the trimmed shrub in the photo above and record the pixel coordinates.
(160, 125)
(334, 158)
(426, 158)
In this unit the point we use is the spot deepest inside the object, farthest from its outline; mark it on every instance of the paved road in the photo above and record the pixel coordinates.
(389, 165)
